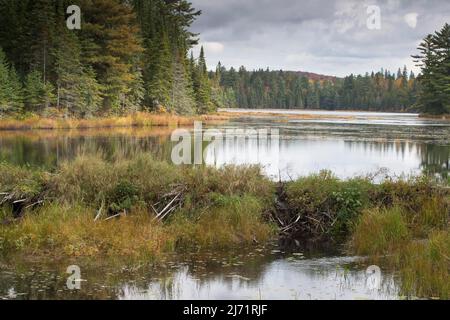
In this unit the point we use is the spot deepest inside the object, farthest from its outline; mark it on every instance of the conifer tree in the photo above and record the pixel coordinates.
(434, 59)
(5, 85)
(182, 94)
(10, 87)
(16, 93)
(38, 95)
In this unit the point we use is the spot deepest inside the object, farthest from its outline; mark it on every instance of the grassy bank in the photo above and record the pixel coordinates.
(401, 225)
(416, 244)
(327, 208)
(217, 208)
(139, 119)
(142, 208)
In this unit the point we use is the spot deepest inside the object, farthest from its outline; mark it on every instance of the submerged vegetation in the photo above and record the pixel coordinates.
(143, 208)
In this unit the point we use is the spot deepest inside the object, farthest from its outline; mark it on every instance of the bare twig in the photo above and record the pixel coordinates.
(34, 204)
(114, 216)
(100, 211)
(163, 212)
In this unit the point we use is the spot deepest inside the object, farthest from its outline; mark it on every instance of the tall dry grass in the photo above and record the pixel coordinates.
(139, 119)
(416, 244)
(221, 208)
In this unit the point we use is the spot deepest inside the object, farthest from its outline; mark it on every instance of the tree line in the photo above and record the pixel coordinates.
(381, 91)
(136, 55)
(128, 56)
(428, 93)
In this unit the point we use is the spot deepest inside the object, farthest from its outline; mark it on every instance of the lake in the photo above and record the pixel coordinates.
(263, 273)
(347, 143)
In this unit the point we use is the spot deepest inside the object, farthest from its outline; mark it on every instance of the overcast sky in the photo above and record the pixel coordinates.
(324, 36)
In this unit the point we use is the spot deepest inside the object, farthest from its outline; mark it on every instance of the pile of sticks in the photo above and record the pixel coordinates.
(300, 225)
(18, 203)
(169, 203)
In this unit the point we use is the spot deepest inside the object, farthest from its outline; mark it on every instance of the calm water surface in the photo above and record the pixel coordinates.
(257, 274)
(347, 143)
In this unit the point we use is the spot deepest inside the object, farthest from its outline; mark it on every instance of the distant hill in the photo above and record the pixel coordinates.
(313, 76)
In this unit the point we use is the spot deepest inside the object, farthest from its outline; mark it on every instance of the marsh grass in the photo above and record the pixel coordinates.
(415, 243)
(139, 119)
(380, 232)
(59, 231)
(425, 266)
(237, 220)
(222, 208)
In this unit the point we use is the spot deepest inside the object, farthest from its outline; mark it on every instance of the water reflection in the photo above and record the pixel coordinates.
(340, 146)
(328, 278)
(253, 275)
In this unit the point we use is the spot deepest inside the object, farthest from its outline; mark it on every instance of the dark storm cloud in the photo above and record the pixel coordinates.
(326, 36)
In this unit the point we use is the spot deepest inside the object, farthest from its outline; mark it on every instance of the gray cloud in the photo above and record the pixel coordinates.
(324, 36)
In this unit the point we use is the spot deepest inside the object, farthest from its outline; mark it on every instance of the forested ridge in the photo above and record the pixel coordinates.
(400, 91)
(129, 55)
(381, 91)
(136, 55)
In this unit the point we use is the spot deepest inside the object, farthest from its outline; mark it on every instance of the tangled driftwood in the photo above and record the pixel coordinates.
(303, 226)
(174, 200)
(168, 204)
(19, 204)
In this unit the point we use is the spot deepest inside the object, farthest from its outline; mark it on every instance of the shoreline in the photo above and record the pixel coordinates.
(147, 119)
(320, 113)
(137, 120)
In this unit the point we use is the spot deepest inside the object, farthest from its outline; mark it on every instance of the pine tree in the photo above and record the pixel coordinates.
(38, 94)
(41, 26)
(202, 86)
(16, 93)
(5, 86)
(434, 59)
(110, 46)
(182, 94)
(89, 91)
(160, 79)
(10, 87)
(69, 74)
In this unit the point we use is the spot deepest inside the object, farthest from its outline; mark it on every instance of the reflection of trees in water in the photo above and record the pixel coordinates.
(402, 148)
(49, 152)
(435, 160)
(200, 271)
